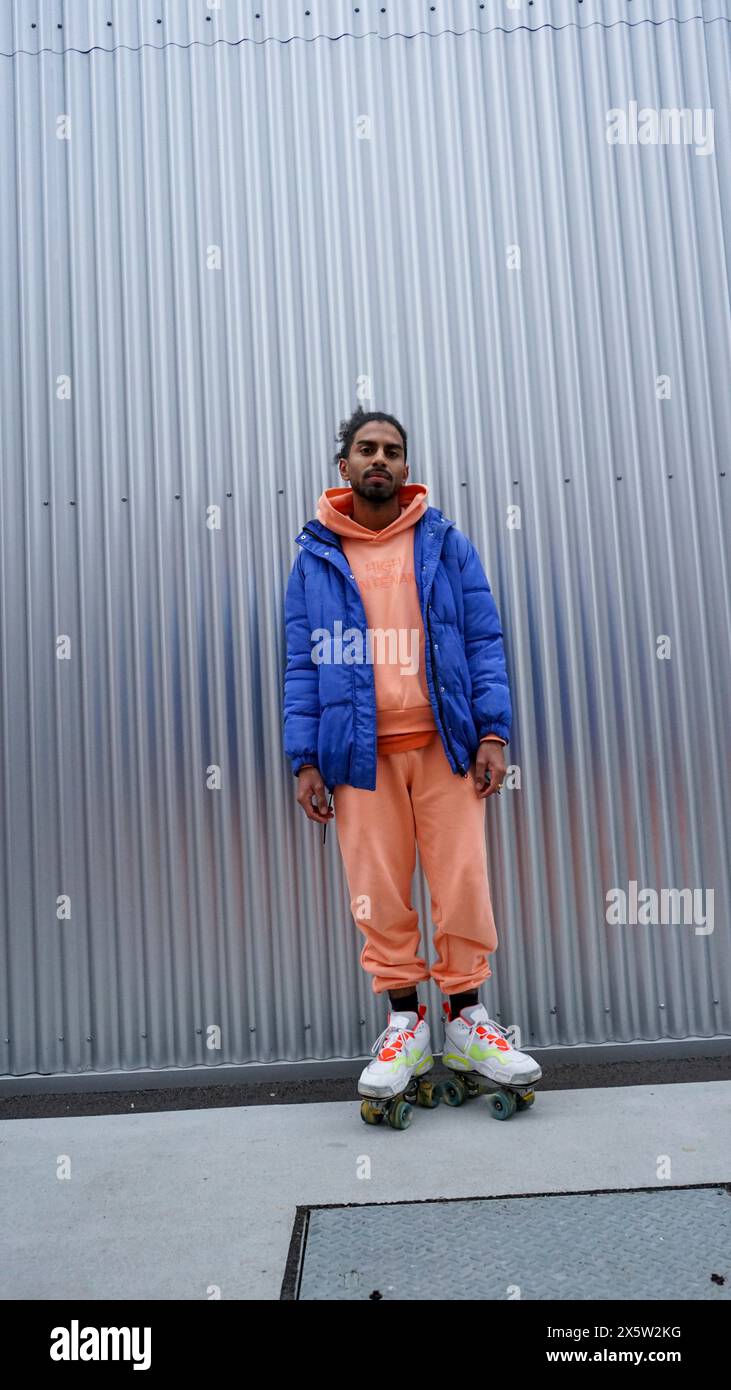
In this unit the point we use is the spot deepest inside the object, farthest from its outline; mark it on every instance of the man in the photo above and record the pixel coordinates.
(396, 697)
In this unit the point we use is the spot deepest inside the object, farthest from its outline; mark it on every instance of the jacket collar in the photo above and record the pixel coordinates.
(432, 520)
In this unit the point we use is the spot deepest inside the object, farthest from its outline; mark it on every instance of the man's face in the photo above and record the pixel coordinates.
(375, 466)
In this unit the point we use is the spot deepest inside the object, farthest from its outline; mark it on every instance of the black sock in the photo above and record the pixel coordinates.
(457, 1002)
(407, 1003)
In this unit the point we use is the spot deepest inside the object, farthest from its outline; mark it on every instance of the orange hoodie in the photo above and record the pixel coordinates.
(383, 565)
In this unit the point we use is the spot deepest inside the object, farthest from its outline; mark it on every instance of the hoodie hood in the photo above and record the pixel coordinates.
(335, 510)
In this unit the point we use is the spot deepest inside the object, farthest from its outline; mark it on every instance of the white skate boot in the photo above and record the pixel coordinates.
(478, 1048)
(392, 1082)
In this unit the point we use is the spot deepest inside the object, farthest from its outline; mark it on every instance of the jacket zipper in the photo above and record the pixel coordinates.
(433, 667)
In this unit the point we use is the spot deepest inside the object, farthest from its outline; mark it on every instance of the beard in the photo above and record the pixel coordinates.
(374, 491)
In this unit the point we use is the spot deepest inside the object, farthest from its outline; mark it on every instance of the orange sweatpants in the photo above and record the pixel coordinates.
(418, 801)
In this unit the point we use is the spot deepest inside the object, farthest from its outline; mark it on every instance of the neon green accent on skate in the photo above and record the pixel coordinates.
(458, 1058)
(415, 1059)
(396, 1065)
(479, 1051)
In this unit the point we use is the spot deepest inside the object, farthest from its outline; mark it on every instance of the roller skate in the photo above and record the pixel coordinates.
(477, 1051)
(396, 1079)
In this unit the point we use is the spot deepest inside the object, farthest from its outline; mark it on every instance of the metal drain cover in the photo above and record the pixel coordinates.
(651, 1244)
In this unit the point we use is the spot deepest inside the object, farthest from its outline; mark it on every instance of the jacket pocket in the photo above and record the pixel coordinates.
(335, 741)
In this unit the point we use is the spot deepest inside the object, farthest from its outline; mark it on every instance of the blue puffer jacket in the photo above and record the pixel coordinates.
(330, 709)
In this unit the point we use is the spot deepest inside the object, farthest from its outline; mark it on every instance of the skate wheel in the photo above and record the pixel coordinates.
(453, 1091)
(501, 1105)
(427, 1094)
(524, 1102)
(370, 1114)
(400, 1114)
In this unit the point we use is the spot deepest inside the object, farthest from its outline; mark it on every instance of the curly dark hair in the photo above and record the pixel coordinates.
(349, 429)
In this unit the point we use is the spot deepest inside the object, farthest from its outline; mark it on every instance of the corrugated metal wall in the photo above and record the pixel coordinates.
(219, 231)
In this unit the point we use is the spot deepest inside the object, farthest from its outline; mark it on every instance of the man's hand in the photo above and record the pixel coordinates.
(309, 784)
(490, 760)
